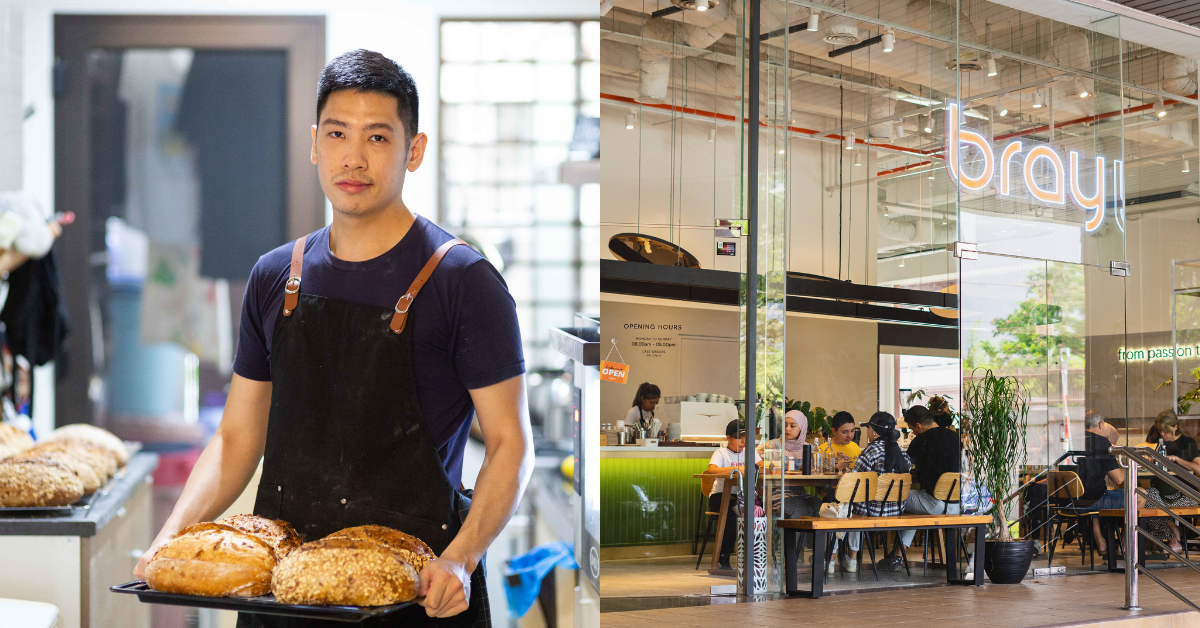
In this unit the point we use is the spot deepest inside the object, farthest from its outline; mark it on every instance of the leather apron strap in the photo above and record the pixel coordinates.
(291, 290)
(400, 317)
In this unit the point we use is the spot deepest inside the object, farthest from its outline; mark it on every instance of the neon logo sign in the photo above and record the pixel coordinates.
(1059, 180)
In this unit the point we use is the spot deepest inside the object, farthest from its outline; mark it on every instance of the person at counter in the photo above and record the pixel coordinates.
(356, 392)
(725, 461)
(644, 402)
(842, 446)
(1182, 450)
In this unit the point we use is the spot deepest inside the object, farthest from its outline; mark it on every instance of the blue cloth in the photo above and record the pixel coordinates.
(464, 321)
(523, 574)
(1112, 498)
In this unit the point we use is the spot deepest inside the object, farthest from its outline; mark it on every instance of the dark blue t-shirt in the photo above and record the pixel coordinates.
(465, 332)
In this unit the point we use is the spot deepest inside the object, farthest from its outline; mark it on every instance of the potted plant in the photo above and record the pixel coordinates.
(997, 414)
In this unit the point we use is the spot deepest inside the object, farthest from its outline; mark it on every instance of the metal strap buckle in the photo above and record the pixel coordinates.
(292, 286)
(405, 310)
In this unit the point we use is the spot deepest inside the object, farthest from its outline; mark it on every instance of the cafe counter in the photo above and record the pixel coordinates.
(650, 499)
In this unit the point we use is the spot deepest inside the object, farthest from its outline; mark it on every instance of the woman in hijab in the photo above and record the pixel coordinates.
(883, 455)
(796, 501)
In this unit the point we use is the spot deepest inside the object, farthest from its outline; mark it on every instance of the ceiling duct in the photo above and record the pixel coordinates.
(881, 132)
(937, 16)
(842, 31)
(1179, 75)
(654, 74)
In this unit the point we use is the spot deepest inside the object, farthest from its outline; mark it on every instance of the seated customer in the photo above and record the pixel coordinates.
(1182, 450)
(883, 455)
(1099, 471)
(724, 461)
(940, 409)
(842, 447)
(935, 450)
(796, 501)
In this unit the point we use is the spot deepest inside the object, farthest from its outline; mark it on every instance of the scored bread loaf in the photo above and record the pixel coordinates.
(345, 571)
(91, 478)
(276, 533)
(13, 441)
(412, 549)
(27, 484)
(101, 459)
(214, 560)
(94, 435)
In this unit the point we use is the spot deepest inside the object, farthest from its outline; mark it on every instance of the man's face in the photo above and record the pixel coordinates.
(361, 152)
(844, 434)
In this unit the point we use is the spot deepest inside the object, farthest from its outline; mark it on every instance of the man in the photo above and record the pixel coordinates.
(934, 450)
(725, 461)
(1102, 476)
(842, 448)
(365, 349)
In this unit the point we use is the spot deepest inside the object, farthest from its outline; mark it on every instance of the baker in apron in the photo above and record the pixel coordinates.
(347, 438)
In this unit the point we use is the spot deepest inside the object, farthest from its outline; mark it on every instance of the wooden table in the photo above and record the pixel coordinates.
(770, 481)
(1116, 516)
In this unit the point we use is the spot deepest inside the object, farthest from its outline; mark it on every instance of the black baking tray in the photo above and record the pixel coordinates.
(84, 502)
(265, 604)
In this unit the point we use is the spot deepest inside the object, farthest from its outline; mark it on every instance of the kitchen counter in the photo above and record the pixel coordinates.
(105, 505)
(70, 561)
(638, 451)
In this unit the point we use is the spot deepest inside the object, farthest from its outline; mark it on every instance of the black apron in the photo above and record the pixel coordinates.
(346, 441)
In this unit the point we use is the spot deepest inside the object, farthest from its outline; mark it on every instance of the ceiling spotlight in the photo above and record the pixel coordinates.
(629, 119)
(1187, 167)
(944, 219)
(1001, 106)
(712, 134)
(901, 261)
(858, 159)
(991, 67)
(1037, 99)
(931, 175)
(899, 128)
(1079, 87)
(927, 126)
(889, 40)
(849, 137)
(701, 5)
(1160, 109)
(781, 150)
(814, 21)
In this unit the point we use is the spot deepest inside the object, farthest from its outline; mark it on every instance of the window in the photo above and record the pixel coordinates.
(510, 95)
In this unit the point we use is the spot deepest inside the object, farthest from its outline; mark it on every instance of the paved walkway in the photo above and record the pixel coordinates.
(1061, 601)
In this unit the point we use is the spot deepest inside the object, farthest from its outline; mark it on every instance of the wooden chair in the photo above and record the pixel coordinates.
(948, 490)
(853, 488)
(893, 487)
(1064, 489)
(703, 513)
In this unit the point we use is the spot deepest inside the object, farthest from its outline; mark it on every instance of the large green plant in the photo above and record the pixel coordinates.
(1188, 398)
(997, 414)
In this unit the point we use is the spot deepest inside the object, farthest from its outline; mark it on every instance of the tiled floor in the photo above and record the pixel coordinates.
(1086, 600)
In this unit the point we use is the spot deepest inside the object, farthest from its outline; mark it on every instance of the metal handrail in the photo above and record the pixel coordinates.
(1160, 467)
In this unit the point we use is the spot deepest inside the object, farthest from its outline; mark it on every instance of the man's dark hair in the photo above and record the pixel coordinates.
(367, 71)
(919, 415)
(841, 419)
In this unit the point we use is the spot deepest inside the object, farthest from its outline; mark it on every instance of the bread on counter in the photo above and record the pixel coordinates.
(345, 571)
(94, 435)
(214, 560)
(48, 483)
(91, 477)
(103, 460)
(13, 441)
(412, 549)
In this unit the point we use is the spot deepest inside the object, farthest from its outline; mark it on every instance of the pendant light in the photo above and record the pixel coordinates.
(814, 21)
(899, 128)
(927, 125)
(858, 159)
(1037, 99)
(629, 119)
(1187, 167)
(1002, 104)
(889, 40)
(712, 134)
(849, 140)
(1079, 87)
(701, 5)
(991, 66)
(1160, 109)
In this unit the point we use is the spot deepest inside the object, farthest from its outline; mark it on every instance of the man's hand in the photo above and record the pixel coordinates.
(445, 588)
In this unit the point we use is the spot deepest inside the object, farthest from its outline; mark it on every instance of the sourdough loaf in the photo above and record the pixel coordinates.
(13, 441)
(94, 435)
(276, 533)
(25, 484)
(214, 560)
(345, 571)
(91, 477)
(412, 549)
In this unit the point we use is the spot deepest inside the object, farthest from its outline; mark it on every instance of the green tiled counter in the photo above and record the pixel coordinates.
(648, 495)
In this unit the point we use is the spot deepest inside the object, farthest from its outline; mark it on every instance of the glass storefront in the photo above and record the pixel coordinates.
(1055, 140)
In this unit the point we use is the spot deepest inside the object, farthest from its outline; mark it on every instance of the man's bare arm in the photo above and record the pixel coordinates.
(225, 465)
(507, 465)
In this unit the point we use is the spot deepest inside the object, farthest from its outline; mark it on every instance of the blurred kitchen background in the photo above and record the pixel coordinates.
(178, 132)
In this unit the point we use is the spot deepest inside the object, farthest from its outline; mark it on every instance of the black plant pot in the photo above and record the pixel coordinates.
(1007, 562)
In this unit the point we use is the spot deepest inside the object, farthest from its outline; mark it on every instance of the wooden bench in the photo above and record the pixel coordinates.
(1110, 516)
(820, 527)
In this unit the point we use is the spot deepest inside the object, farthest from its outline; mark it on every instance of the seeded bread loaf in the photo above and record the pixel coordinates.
(412, 549)
(13, 441)
(91, 478)
(26, 484)
(103, 460)
(94, 435)
(276, 533)
(345, 571)
(214, 560)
